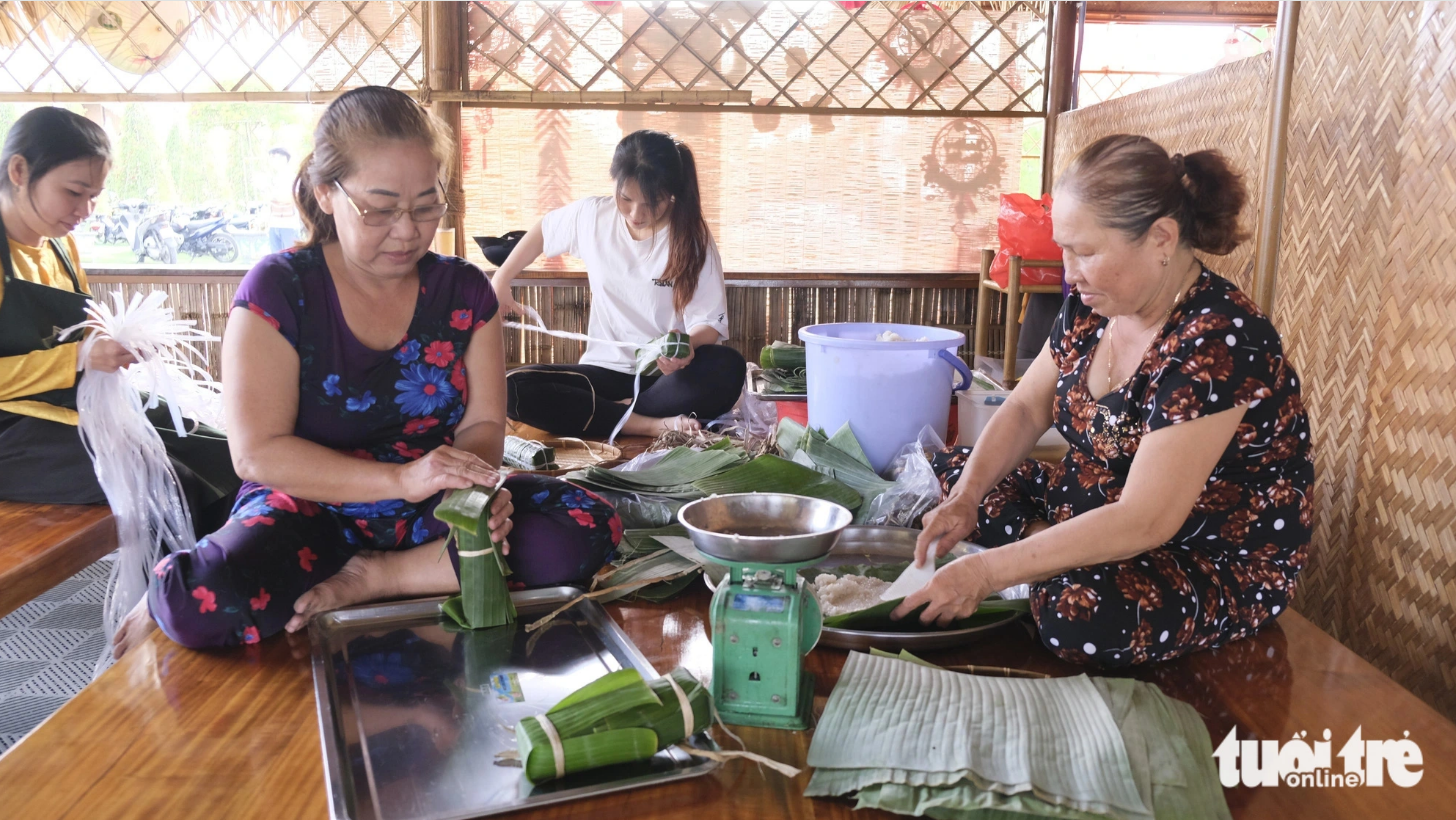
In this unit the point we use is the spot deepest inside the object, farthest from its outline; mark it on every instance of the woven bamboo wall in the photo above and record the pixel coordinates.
(1367, 303)
(1225, 108)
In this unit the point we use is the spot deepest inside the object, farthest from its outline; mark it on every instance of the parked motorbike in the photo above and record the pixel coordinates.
(205, 233)
(119, 226)
(154, 239)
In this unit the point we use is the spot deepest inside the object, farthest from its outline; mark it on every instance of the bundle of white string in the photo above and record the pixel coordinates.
(131, 462)
(647, 353)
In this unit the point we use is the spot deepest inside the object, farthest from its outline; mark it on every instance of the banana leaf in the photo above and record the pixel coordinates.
(771, 474)
(788, 382)
(877, 618)
(672, 477)
(845, 442)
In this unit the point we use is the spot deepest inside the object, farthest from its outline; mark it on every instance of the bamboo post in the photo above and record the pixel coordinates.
(1060, 76)
(1266, 252)
(1013, 316)
(446, 33)
(983, 305)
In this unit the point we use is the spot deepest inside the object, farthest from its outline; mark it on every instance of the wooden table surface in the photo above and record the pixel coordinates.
(171, 732)
(44, 544)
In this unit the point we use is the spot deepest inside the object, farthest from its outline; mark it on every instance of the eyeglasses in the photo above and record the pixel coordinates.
(380, 217)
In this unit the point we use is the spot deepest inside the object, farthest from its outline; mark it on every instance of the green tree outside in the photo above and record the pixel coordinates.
(137, 173)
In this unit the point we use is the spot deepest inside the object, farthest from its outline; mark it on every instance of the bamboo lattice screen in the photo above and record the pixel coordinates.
(927, 57)
(790, 192)
(171, 47)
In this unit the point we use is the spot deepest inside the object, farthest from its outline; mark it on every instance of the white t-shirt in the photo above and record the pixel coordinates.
(627, 303)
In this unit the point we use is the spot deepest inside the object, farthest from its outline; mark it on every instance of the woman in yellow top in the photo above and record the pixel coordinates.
(55, 164)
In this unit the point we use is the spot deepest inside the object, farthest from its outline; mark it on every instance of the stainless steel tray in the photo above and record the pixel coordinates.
(892, 545)
(411, 716)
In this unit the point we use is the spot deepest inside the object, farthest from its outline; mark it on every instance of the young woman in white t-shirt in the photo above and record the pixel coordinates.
(652, 267)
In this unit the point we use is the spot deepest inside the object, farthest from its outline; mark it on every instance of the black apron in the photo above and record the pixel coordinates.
(43, 462)
(32, 316)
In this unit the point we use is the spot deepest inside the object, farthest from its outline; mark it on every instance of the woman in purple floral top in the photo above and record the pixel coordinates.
(364, 376)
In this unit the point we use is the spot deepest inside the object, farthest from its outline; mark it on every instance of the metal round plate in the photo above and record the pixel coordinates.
(893, 545)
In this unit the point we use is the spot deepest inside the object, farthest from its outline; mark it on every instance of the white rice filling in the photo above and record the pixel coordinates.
(850, 593)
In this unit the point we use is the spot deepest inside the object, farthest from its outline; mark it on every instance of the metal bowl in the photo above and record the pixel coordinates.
(893, 545)
(763, 528)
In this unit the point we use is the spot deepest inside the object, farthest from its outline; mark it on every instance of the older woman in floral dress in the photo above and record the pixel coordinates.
(1180, 517)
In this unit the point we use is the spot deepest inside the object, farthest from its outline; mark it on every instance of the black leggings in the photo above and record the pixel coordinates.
(583, 399)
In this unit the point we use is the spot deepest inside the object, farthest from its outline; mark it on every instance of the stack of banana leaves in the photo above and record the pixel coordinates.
(685, 474)
(662, 553)
(783, 368)
(839, 457)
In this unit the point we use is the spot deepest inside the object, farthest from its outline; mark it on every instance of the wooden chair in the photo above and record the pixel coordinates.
(1015, 294)
(47, 543)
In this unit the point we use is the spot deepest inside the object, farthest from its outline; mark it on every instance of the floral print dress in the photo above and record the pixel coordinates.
(1236, 560)
(396, 405)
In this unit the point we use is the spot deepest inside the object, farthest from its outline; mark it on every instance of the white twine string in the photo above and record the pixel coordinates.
(724, 756)
(687, 708)
(475, 553)
(647, 352)
(558, 754)
(131, 462)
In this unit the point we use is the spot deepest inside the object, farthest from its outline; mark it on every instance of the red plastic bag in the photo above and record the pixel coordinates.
(1024, 229)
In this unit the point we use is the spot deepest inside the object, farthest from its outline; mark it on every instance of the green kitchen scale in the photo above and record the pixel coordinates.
(764, 620)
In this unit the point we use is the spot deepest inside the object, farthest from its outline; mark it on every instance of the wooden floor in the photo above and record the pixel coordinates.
(170, 732)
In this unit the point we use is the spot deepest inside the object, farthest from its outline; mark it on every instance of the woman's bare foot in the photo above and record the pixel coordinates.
(363, 578)
(134, 629)
(648, 426)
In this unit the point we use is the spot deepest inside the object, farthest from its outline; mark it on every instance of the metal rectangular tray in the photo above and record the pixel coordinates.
(411, 716)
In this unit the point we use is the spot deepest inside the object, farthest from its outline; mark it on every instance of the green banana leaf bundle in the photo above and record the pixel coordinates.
(525, 454)
(484, 601)
(782, 356)
(672, 345)
(618, 718)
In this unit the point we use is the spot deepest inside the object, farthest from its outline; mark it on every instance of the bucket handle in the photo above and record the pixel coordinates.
(960, 367)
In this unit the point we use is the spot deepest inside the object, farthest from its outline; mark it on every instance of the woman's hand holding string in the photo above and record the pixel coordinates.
(508, 304)
(108, 356)
(667, 365)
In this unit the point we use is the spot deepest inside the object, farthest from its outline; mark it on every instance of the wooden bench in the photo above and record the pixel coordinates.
(169, 730)
(44, 544)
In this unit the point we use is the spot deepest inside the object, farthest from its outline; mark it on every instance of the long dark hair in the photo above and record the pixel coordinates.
(364, 115)
(663, 167)
(49, 137)
(1129, 182)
